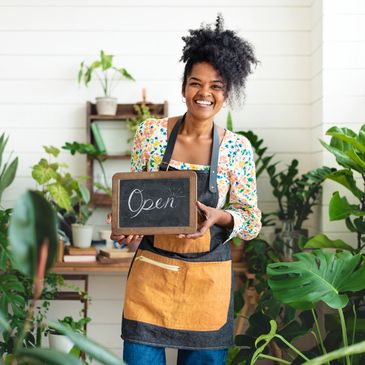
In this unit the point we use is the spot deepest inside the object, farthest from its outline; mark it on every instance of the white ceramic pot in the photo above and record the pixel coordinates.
(81, 235)
(106, 105)
(104, 234)
(60, 343)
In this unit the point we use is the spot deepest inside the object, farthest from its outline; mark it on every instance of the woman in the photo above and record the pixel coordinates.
(179, 288)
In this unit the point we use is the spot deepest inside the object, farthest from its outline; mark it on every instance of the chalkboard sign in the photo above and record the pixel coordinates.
(161, 202)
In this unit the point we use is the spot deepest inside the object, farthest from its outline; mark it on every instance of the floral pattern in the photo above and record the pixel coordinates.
(235, 177)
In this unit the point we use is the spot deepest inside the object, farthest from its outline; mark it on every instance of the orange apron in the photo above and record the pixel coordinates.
(179, 291)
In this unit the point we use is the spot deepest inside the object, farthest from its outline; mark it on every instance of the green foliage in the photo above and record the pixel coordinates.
(143, 113)
(91, 151)
(8, 169)
(296, 195)
(107, 74)
(262, 160)
(32, 225)
(68, 195)
(317, 276)
(19, 341)
(348, 148)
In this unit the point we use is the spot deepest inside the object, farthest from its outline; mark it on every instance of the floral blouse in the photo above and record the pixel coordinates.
(235, 176)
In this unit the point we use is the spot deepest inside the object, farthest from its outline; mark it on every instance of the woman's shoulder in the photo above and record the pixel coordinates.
(152, 126)
(236, 141)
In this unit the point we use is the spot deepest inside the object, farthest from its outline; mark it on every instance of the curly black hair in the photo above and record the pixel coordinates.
(232, 56)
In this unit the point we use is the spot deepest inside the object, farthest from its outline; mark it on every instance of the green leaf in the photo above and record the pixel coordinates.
(4, 325)
(266, 338)
(341, 157)
(8, 175)
(357, 159)
(317, 276)
(346, 178)
(54, 151)
(90, 347)
(348, 136)
(229, 122)
(358, 348)
(125, 73)
(60, 196)
(47, 356)
(84, 192)
(340, 208)
(43, 172)
(33, 222)
(322, 241)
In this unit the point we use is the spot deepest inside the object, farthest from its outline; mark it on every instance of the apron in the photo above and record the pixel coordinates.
(179, 291)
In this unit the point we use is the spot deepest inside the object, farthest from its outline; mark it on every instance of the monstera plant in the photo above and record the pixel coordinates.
(314, 277)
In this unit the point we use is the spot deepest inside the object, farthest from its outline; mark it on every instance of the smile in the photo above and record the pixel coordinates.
(204, 102)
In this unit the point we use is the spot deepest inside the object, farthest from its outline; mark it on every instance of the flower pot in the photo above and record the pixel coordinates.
(81, 235)
(237, 251)
(106, 105)
(60, 342)
(104, 234)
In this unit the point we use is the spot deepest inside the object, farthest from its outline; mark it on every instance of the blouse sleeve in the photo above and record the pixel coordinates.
(139, 152)
(243, 194)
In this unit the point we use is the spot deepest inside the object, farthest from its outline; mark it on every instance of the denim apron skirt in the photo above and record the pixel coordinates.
(179, 291)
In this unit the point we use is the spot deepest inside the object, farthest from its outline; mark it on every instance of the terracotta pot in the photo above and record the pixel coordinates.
(237, 252)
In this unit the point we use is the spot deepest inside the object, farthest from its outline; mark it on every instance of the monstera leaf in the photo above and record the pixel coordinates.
(317, 276)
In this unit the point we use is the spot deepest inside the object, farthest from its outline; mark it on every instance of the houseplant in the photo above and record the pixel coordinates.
(33, 240)
(108, 76)
(69, 196)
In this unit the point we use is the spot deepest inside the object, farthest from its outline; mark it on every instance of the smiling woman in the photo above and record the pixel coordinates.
(190, 307)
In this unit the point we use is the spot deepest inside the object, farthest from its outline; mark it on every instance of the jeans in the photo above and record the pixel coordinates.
(139, 354)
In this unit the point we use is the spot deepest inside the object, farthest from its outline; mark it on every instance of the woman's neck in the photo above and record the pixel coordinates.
(197, 128)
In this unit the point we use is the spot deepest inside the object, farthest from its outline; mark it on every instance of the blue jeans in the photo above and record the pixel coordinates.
(139, 354)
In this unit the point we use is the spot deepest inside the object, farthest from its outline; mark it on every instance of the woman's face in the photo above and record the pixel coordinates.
(204, 92)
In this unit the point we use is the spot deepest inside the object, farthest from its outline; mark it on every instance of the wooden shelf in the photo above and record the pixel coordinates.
(100, 199)
(124, 112)
(63, 267)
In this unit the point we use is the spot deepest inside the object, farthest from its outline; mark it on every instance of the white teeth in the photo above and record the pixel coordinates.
(204, 102)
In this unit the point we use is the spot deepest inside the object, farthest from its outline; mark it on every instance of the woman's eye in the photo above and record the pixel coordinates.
(218, 87)
(194, 84)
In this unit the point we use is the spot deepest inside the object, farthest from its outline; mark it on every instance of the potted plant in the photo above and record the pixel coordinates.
(69, 196)
(81, 231)
(108, 76)
(36, 238)
(58, 341)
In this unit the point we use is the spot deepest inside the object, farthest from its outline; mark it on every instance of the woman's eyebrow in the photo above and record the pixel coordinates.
(197, 79)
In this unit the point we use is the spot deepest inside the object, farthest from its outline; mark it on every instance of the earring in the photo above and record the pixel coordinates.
(224, 104)
(183, 100)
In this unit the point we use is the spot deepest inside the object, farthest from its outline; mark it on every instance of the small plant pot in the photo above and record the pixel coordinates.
(82, 235)
(237, 252)
(106, 105)
(104, 234)
(60, 342)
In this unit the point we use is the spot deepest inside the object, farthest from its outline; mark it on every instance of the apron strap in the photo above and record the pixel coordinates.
(164, 166)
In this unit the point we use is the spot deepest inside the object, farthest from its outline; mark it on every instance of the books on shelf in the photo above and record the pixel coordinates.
(99, 143)
(72, 250)
(79, 258)
(116, 253)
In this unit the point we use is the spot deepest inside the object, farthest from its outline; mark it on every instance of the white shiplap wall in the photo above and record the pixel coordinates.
(338, 91)
(43, 42)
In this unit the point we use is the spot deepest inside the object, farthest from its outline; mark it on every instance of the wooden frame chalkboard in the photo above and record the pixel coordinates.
(161, 202)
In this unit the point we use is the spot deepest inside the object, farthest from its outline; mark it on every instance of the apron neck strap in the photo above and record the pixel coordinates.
(213, 158)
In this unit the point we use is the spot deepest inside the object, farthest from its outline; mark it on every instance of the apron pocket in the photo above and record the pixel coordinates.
(169, 242)
(175, 294)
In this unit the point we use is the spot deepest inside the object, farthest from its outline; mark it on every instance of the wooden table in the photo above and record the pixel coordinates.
(97, 267)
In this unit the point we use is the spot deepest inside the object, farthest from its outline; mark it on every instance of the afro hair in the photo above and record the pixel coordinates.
(232, 56)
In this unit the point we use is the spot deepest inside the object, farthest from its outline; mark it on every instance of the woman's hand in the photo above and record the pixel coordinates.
(132, 240)
(211, 216)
